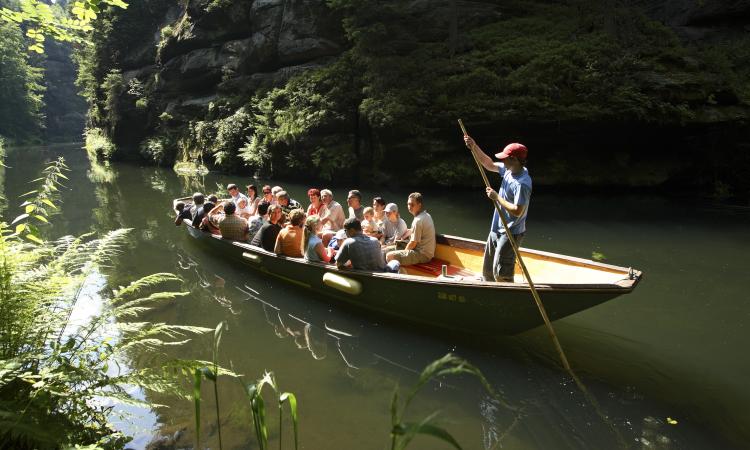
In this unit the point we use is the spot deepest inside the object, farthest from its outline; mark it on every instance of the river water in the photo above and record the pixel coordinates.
(672, 349)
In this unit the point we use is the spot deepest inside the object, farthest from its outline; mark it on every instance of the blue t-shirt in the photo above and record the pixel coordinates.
(515, 189)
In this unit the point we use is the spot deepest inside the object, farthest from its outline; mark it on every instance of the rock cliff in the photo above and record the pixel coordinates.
(372, 89)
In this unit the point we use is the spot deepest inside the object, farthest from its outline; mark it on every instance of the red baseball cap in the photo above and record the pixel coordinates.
(515, 150)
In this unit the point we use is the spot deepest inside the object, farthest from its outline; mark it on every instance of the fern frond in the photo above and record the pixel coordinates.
(157, 297)
(149, 281)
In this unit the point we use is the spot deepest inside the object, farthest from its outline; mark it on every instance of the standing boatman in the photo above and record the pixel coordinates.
(513, 197)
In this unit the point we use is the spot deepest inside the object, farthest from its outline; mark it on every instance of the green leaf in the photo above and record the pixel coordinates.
(19, 218)
(34, 238)
(394, 407)
(118, 3)
(288, 396)
(413, 429)
(41, 218)
(197, 378)
(48, 202)
(30, 208)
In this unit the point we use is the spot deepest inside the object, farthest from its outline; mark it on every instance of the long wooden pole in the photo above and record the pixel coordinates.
(540, 306)
(534, 293)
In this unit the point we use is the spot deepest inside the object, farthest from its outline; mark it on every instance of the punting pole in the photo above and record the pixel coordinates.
(540, 306)
(526, 274)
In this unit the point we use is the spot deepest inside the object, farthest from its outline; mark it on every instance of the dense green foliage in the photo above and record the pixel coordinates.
(20, 86)
(41, 19)
(385, 107)
(399, 85)
(98, 145)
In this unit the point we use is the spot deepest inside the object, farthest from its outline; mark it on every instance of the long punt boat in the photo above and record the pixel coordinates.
(447, 292)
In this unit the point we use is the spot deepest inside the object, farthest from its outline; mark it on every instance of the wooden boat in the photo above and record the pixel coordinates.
(446, 292)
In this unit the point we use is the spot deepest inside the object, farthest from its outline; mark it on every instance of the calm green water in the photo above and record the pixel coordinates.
(674, 348)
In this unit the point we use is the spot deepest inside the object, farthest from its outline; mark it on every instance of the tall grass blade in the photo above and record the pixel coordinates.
(197, 378)
(292, 399)
(410, 430)
(217, 340)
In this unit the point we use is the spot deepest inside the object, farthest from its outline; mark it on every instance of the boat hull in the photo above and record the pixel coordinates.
(464, 306)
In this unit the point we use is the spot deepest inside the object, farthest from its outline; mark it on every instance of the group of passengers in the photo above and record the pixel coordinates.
(370, 238)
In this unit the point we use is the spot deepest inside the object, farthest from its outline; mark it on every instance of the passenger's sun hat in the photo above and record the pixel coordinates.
(515, 150)
(391, 207)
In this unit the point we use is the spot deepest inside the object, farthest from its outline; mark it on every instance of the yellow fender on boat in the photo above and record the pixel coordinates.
(342, 284)
(252, 257)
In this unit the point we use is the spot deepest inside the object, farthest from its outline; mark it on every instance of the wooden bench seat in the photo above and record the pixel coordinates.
(434, 267)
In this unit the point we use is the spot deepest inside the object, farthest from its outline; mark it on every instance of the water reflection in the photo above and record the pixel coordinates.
(658, 353)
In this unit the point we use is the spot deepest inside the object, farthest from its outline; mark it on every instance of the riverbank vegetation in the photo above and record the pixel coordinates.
(21, 88)
(64, 357)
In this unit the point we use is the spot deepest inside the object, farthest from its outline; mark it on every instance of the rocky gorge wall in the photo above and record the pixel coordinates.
(628, 93)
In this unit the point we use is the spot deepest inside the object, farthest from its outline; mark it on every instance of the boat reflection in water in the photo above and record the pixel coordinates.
(535, 405)
(357, 359)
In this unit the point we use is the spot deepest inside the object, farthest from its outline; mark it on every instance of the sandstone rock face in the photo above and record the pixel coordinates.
(65, 111)
(200, 62)
(215, 45)
(209, 50)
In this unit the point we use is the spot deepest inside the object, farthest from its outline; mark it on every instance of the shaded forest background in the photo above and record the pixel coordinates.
(630, 93)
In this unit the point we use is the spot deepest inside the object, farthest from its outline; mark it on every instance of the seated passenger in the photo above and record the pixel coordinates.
(183, 213)
(287, 204)
(243, 208)
(421, 245)
(369, 225)
(268, 195)
(354, 199)
(258, 220)
(275, 190)
(313, 245)
(234, 191)
(266, 235)
(253, 199)
(316, 204)
(203, 217)
(378, 204)
(289, 240)
(198, 200)
(394, 227)
(231, 225)
(333, 215)
(360, 251)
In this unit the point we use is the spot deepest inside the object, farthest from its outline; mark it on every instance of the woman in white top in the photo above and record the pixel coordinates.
(252, 199)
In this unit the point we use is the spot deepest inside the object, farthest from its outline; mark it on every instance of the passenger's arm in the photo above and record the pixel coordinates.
(217, 208)
(321, 251)
(277, 246)
(416, 236)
